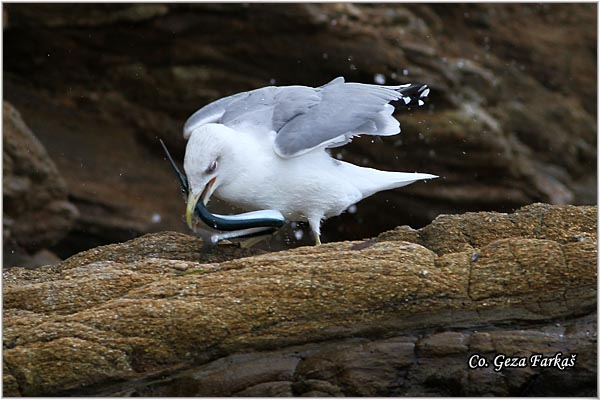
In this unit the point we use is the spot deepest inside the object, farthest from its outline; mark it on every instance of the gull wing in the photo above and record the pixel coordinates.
(211, 113)
(306, 118)
(344, 110)
(267, 109)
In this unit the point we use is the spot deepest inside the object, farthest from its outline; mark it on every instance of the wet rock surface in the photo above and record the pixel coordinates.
(510, 120)
(396, 315)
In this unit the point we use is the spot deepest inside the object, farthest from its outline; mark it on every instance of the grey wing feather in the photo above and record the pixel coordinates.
(211, 113)
(344, 110)
(270, 106)
(307, 118)
(291, 102)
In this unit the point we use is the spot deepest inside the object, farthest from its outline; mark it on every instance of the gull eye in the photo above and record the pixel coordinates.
(212, 167)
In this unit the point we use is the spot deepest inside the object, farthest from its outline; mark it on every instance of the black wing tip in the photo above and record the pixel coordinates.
(414, 94)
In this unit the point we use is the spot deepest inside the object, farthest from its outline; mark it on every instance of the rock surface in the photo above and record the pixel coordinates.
(511, 119)
(37, 213)
(392, 316)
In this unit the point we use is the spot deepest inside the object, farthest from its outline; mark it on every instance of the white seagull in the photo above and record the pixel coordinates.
(266, 148)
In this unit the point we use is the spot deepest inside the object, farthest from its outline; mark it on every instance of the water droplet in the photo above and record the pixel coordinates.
(156, 218)
(404, 72)
(272, 81)
(352, 67)
(352, 209)
(334, 22)
(379, 79)
(325, 56)
(298, 234)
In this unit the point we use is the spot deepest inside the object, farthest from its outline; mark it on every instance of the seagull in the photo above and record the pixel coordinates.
(267, 148)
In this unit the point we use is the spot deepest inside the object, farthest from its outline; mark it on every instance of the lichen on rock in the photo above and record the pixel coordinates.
(344, 318)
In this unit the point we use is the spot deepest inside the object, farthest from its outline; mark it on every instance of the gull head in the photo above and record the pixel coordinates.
(207, 164)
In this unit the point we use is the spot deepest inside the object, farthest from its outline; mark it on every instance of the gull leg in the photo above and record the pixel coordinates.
(317, 239)
(315, 226)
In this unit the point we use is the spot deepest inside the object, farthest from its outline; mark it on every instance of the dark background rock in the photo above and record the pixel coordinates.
(36, 212)
(511, 118)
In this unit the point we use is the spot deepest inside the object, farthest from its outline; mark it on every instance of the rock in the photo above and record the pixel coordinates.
(510, 120)
(154, 317)
(454, 233)
(15, 256)
(167, 245)
(63, 16)
(37, 212)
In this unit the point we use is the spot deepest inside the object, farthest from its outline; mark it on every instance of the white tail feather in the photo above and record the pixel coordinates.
(370, 181)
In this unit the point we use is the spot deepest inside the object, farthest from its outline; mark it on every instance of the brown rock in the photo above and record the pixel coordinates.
(389, 319)
(13, 256)
(454, 233)
(268, 389)
(443, 344)
(37, 213)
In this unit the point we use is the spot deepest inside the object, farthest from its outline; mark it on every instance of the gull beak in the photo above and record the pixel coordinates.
(194, 198)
